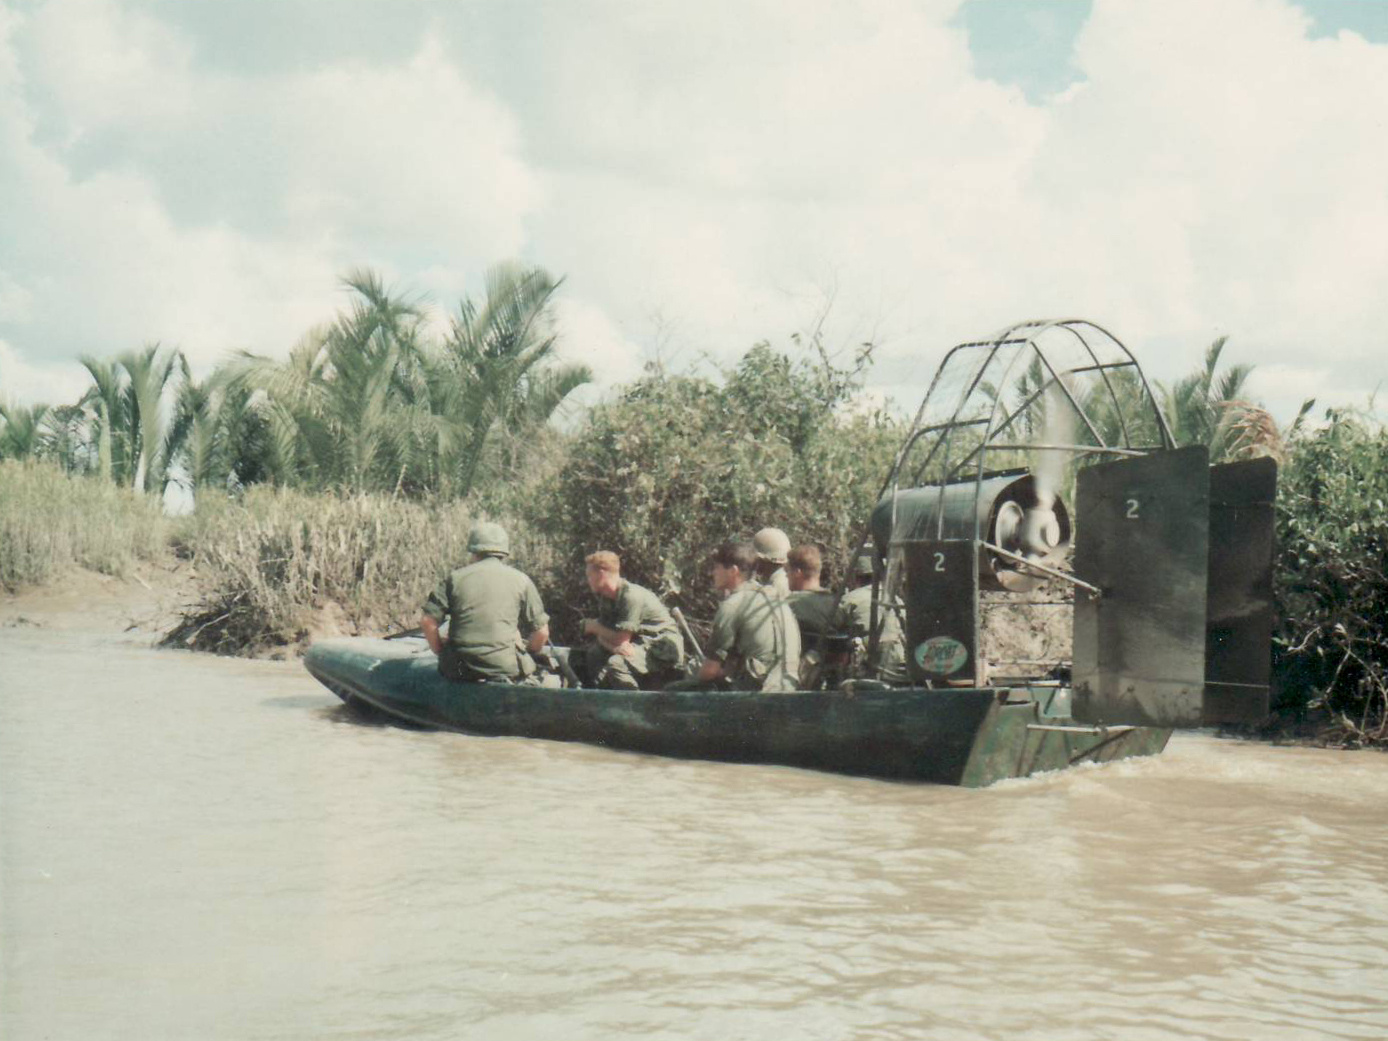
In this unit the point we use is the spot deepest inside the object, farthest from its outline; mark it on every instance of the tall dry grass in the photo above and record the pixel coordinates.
(279, 565)
(51, 521)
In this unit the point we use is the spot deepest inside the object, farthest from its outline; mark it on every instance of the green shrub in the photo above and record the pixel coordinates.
(662, 474)
(51, 521)
(1330, 649)
(677, 464)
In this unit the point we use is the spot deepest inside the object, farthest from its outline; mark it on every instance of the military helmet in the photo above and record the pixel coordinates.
(771, 544)
(488, 537)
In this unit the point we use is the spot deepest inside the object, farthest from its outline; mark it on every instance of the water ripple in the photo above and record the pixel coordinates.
(213, 849)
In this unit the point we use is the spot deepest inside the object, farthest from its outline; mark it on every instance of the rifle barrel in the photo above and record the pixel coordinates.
(678, 615)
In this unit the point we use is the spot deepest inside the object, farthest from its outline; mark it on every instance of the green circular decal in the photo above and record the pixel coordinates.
(942, 655)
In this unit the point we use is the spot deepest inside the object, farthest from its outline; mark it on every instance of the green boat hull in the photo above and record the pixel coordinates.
(971, 737)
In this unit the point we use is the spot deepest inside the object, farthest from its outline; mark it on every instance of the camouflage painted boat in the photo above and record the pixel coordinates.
(966, 736)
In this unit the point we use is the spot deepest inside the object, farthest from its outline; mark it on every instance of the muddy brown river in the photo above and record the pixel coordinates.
(198, 848)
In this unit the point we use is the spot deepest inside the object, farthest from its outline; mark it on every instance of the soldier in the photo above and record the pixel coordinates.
(813, 607)
(855, 618)
(771, 546)
(488, 605)
(635, 639)
(812, 603)
(755, 643)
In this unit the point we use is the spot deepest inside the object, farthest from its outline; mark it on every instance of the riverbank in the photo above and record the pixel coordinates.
(150, 605)
(278, 563)
(142, 605)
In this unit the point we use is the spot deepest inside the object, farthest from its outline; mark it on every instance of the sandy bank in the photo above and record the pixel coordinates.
(142, 606)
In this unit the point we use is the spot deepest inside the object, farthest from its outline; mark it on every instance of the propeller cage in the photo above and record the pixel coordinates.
(1171, 559)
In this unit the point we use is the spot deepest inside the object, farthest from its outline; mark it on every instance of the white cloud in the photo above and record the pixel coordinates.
(1217, 171)
(158, 202)
(16, 302)
(726, 169)
(1293, 384)
(59, 383)
(590, 337)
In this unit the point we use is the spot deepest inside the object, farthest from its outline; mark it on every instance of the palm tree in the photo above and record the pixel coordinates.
(207, 420)
(365, 404)
(131, 424)
(327, 413)
(366, 350)
(545, 392)
(149, 374)
(496, 369)
(1122, 408)
(69, 438)
(1204, 407)
(23, 432)
(107, 401)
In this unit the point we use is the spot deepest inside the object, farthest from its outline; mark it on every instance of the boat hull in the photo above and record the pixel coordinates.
(969, 736)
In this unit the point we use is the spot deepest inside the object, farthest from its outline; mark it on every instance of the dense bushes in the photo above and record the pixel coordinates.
(672, 466)
(50, 520)
(662, 472)
(677, 464)
(1331, 650)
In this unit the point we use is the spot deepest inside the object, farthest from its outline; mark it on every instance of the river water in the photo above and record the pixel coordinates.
(209, 848)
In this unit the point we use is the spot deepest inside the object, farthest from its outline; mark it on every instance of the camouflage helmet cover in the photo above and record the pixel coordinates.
(488, 537)
(771, 544)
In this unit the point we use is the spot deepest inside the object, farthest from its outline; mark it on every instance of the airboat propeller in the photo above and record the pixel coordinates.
(1165, 559)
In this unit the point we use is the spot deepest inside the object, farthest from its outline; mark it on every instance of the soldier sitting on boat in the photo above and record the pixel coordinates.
(635, 641)
(855, 618)
(755, 642)
(496, 621)
(772, 546)
(813, 607)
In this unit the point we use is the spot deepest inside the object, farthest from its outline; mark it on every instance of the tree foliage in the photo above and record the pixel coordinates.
(370, 404)
(495, 379)
(331, 411)
(23, 431)
(1203, 406)
(1331, 649)
(365, 403)
(129, 422)
(676, 464)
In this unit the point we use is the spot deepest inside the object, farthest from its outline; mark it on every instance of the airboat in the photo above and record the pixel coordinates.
(1038, 493)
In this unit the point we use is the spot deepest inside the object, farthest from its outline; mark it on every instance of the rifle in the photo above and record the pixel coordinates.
(561, 664)
(689, 636)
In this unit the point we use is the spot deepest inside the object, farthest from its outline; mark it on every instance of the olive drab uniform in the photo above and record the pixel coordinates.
(855, 618)
(489, 606)
(778, 583)
(656, 644)
(756, 637)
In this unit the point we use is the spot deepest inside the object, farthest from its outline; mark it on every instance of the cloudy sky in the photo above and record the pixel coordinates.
(705, 175)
